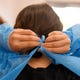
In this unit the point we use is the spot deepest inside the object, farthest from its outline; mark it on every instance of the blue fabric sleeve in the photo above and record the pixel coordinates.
(74, 35)
(5, 31)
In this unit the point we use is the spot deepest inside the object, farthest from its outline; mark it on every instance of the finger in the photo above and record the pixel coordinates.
(25, 50)
(55, 33)
(55, 38)
(56, 44)
(24, 31)
(63, 49)
(25, 37)
(28, 44)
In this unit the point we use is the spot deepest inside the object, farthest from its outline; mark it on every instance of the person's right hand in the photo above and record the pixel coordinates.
(23, 40)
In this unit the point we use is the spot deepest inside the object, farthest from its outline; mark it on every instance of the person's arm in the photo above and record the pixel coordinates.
(5, 31)
(74, 34)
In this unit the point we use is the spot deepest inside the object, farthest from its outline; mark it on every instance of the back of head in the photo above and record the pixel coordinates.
(40, 18)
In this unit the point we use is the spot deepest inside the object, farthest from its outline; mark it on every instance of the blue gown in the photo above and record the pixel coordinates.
(12, 63)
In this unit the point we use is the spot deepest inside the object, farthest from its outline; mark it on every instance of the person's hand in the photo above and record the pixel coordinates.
(23, 40)
(57, 42)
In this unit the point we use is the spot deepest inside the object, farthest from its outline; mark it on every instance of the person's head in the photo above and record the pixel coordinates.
(40, 18)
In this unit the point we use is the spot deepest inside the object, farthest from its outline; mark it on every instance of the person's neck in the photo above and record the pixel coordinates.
(42, 62)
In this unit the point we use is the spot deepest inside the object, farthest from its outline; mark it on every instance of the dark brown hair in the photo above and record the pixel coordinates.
(1, 20)
(40, 18)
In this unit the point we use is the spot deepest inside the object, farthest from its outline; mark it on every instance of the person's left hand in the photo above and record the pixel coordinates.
(57, 42)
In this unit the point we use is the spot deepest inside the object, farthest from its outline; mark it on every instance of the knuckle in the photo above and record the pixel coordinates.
(66, 49)
(31, 37)
(16, 45)
(29, 44)
(28, 30)
(13, 36)
(69, 41)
